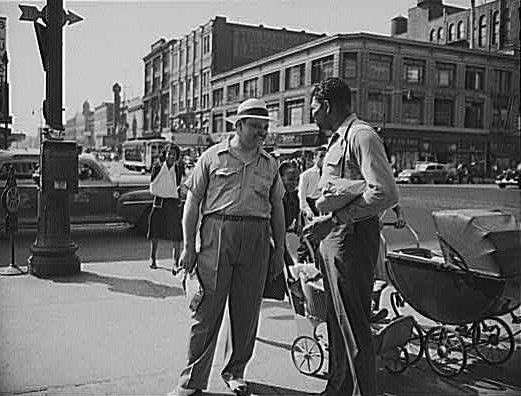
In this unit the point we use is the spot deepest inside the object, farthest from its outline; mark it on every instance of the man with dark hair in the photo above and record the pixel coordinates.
(350, 237)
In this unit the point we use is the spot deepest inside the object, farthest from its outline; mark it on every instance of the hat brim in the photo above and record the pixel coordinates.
(234, 118)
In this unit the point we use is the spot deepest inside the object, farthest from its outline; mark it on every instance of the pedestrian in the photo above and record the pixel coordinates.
(237, 188)
(308, 184)
(350, 237)
(164, 221)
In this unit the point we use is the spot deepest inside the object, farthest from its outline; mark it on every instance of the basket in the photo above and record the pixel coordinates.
(315, 304)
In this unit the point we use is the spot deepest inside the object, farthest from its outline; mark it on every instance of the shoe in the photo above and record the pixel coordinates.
(238, 386)
(153, 265)
(180, 391)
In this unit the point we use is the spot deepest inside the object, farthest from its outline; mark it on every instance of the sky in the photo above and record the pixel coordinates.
(108, 46)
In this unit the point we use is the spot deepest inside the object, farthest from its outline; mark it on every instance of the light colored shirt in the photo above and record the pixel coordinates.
(308, 186)
(228, 185)
(365, 159)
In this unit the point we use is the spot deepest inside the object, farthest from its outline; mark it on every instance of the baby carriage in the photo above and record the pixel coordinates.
(308, 351)
(476, 280)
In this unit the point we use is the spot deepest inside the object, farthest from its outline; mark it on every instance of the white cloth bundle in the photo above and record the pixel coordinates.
(337, 193)
(165, 185)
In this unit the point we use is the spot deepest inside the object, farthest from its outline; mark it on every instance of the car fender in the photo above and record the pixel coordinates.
(133, 205)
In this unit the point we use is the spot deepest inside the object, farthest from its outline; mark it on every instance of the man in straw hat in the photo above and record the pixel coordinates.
(236, 187)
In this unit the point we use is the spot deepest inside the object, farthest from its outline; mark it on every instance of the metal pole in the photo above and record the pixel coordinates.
(12, 249)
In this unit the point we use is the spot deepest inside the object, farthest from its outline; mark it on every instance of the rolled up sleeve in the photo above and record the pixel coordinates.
(197, 182)
(381, 192)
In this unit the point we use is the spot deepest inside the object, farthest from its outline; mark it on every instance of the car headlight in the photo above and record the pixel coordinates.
(116, 194)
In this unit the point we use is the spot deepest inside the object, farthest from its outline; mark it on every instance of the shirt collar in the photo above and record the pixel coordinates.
(342, 129)
(224, 147)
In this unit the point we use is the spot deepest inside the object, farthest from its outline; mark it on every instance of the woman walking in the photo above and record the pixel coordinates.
(165, 216)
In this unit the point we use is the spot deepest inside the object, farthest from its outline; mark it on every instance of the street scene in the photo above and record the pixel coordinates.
(212, 198)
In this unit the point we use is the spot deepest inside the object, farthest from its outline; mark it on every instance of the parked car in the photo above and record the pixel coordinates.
(98, 198)
(427, 172)
(509, 177)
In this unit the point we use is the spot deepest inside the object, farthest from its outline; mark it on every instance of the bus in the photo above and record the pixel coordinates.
(140, 154)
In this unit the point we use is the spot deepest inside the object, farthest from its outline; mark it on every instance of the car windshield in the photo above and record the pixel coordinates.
(421, 167)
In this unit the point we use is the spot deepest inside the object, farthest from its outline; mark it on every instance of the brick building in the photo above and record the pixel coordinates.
(177, 90)
(103, 125)
(434, 102)
(490, 26)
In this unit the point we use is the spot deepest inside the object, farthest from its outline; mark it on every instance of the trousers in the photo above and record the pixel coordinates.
(232, 265)
(349, 255)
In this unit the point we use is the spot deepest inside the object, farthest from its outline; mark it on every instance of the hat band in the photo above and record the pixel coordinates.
(256, 111)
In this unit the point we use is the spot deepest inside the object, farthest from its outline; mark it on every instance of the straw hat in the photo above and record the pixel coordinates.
(251, 108)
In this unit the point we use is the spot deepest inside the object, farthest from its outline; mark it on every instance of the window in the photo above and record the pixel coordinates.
(380, 67)
(218, 96)
(156, 66)
(445, 74)
(148, 78)
(206, 44)
(350, 63)
(175, 60)
(321, 69)
(452, 32)
(174, 108)
(166, 71)
(206, 79)
(441, 35)
(250, 88)
(196, 103)
(165, 100)
(174, 92)
(181, 57)
(271, 83)
(273, 113)
(473, 114)
(443, 112)
(495, 31)
(413, 71)
(206, 101)
(461, 30)
(502, 81)
(196, 84)
(293, 112)
(378, 107)
(432, 36)
(233, 93)
(295, 76)
(188, 104)
(196, 49)
(189, 87)
(507, 23)
(188, 53)
(500, 113)
(482, 34)
(474, 77)
(23, 169)
(412, 110)
(217, 123)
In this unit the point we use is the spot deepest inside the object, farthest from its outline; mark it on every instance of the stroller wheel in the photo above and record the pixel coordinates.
(493, 340)
(307, 355)
(415, 346)
(445, 351)
(397, 361)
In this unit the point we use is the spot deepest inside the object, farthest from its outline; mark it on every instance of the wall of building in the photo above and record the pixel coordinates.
(134, 118)
(103, 124)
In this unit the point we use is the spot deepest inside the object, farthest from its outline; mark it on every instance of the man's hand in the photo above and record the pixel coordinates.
(318, 228)
(277, 259)
(187, 258)
(309, 214)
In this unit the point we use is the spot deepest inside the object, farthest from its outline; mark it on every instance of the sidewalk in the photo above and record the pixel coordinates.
(120, 329)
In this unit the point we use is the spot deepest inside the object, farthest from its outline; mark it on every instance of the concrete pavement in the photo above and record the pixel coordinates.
(119, 328)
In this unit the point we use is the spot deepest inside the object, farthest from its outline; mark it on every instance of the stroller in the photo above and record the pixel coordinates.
(476, 280)
(307, 297)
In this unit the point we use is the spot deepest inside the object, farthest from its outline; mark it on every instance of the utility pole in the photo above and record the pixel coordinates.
(53, 252)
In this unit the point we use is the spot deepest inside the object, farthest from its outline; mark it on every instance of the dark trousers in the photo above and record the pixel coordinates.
(349, 258)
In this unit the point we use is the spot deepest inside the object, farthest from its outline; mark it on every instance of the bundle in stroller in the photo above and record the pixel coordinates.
(309, 349)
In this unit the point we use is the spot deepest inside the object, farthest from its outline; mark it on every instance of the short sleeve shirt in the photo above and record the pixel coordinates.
(227, 185)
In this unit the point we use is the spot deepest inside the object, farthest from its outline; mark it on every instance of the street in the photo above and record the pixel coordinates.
(117, 243)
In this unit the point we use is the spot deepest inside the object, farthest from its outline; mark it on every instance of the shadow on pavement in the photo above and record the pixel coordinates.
(135, 287)
(271, 390)
(277, 344)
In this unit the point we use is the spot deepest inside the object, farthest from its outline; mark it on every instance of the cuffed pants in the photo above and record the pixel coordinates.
(349, 258)
(232, 264)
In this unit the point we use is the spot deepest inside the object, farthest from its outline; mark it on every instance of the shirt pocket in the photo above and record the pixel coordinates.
(262, 184)
(332, 163)
(223, 181)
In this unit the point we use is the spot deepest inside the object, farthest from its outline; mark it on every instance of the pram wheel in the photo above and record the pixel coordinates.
(307, 355)
(415, 345)
(396, 361)
(445, 351)
(493, 340)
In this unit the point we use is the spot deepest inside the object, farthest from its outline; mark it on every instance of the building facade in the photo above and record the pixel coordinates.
(103, 125)
(489, 26)
(434, 102)
(134, 117)
(178, 73)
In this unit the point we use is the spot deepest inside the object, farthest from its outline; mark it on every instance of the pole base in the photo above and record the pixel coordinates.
(12, 270)
(50, 261)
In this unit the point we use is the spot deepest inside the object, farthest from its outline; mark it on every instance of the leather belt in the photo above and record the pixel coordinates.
(237, 218)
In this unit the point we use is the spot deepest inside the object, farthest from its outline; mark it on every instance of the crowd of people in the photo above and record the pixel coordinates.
(240, 201)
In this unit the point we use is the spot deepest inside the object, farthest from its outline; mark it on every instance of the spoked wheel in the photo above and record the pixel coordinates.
(307, 355)
(415, 345)
(493, 340)
(445, 351)
(397, 361)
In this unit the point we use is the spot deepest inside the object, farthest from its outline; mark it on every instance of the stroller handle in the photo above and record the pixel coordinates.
(409, 228)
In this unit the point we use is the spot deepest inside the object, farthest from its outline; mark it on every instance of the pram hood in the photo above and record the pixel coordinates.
(488, 240)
